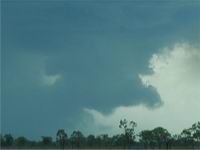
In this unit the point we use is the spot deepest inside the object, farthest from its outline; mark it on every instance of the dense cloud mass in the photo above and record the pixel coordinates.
(61, 57)
(176, 77)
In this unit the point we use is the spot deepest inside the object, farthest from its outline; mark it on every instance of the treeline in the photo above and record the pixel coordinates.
(128, 139)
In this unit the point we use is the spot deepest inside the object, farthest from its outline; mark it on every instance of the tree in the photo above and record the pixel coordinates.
(98, 141)
(176, 140)
(21, 141)
(194, 134)
(116, 141)
(2, 140)
(77, 139)
(196, 131)
(47, 141)
(161, 136)
(61, 138)
(91, 140)
(9, 140)
(146, 138)
(129, 131)
(105, 140)
(186, 137)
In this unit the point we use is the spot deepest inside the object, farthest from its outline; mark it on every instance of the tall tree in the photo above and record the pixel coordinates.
(61, 138)
(195, 134)
(129, 132)
(98, 141)
(106, 141)
(21, 141)
(2, 140)
(77, 139)
(47, 141)
(196, 131)
(91, 140)
(186, 138)
(146, 138)
(161, 136)
(9, 140)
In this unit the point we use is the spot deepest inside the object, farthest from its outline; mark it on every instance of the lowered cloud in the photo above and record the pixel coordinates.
(50, 79)
(176, 77)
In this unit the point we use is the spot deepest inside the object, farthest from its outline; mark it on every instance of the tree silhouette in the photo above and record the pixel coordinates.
(9, 140)
(161, 136)
(105, 140)
(21, 141)
(156, 138)
(47, 141)
(186, 137)
(91, 140)
(129, 132)
(196, 132)
(61, 138)
(2, 140)
(146, 138)
(77, 139)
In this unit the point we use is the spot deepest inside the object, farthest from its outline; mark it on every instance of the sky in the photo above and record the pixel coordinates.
(86, 64)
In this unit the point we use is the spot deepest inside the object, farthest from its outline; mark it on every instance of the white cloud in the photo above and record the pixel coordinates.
(46, 79)
(50, 79)
(176, 76)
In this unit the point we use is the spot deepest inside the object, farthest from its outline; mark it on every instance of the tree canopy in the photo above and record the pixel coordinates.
(158, 137)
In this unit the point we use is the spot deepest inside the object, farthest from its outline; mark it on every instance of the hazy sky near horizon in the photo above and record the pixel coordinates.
(87, 64)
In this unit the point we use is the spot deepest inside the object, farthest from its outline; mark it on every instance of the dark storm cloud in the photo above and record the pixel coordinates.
(97, 48)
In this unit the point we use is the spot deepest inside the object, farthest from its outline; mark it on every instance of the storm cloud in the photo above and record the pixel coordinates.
(61, 57)
(176, 78)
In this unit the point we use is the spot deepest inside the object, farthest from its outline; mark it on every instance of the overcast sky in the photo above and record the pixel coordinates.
(86, 64)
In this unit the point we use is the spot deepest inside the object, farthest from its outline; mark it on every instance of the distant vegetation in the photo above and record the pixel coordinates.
(156, 138)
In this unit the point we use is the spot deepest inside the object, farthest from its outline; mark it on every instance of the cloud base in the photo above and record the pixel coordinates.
(176, 77)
